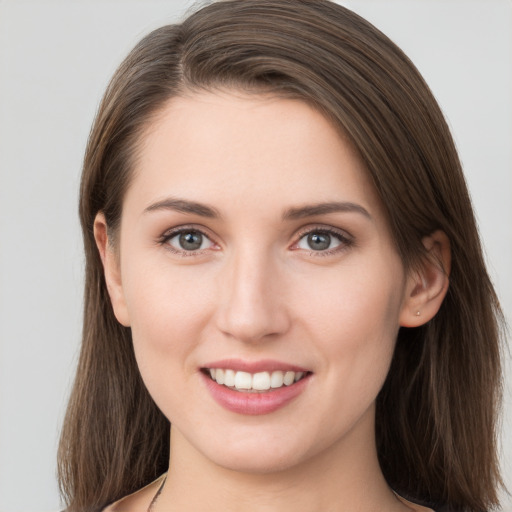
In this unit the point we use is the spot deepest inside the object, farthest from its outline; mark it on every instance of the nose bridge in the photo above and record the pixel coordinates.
(251, 305)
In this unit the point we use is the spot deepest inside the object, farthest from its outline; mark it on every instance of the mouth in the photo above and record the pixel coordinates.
(260, 382)
(254, 387)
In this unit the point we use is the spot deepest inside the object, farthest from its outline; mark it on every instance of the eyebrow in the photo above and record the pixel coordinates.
(301, 212)
(184, 206)
(323, 209)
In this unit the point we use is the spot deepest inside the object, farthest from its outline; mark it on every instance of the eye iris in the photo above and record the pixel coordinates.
(319, 241)
(191, 241)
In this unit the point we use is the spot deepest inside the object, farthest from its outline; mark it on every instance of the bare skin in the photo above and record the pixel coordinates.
(141, 500)
(256, 289)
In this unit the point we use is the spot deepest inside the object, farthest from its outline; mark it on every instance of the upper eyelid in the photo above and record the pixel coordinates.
(171, 232)
(324, 228)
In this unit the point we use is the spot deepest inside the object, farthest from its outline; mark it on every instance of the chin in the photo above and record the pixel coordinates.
(258, 464)
(258, 455)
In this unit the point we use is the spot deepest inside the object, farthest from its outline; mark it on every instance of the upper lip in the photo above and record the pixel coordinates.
(262, 365)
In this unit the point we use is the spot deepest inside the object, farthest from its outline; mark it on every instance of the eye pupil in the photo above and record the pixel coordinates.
(319, 241)
(191, 241)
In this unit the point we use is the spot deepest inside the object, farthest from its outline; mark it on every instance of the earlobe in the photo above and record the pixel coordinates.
(111, 268)
(426, 286)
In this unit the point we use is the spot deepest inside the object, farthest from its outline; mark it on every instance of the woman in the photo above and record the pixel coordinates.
(283, 265)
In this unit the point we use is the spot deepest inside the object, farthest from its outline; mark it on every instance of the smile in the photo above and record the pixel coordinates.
(254, 387)
(254, 382)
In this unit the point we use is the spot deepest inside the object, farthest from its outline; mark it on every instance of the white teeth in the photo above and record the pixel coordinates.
(219, 376)
(289, 377)
(261, 381)
(243, 380)
(276, 379)
(229, 378)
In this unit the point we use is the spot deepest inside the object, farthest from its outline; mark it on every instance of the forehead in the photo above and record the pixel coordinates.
(227, 147)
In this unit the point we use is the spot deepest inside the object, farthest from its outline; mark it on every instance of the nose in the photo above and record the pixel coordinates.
(252, 298)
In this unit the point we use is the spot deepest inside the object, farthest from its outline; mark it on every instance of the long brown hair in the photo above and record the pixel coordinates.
(436, 414)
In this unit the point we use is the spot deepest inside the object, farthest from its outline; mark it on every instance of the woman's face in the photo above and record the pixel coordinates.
(253, 247)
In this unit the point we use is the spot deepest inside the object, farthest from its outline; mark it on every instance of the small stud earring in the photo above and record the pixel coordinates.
(418, 313)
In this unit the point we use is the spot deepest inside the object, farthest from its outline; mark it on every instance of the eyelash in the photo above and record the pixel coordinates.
(346, 241)
(169, 235)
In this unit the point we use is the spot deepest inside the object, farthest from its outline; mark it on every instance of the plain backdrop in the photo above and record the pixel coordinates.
(56, 58)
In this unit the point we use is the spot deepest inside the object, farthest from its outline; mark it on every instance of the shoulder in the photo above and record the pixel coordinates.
(422, 506)
(138, 501)
(418, 506)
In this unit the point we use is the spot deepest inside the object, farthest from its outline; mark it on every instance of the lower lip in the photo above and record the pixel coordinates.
(254, 403)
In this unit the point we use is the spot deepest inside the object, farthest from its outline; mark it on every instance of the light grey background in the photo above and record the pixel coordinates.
(56, 58)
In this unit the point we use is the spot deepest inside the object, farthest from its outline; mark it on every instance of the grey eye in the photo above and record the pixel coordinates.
(318, 241)
(190, 240)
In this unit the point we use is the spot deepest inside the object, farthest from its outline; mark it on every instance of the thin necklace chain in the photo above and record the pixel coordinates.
(155, 497)
(160, 489)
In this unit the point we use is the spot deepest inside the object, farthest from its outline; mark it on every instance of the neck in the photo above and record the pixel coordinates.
(346, 477)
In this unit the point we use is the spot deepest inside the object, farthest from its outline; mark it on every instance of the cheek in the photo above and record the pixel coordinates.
(354, 316)
(357, 298)
(168, 310)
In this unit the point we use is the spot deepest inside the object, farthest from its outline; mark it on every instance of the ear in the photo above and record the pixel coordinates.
(426, 287)
(112, 270)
